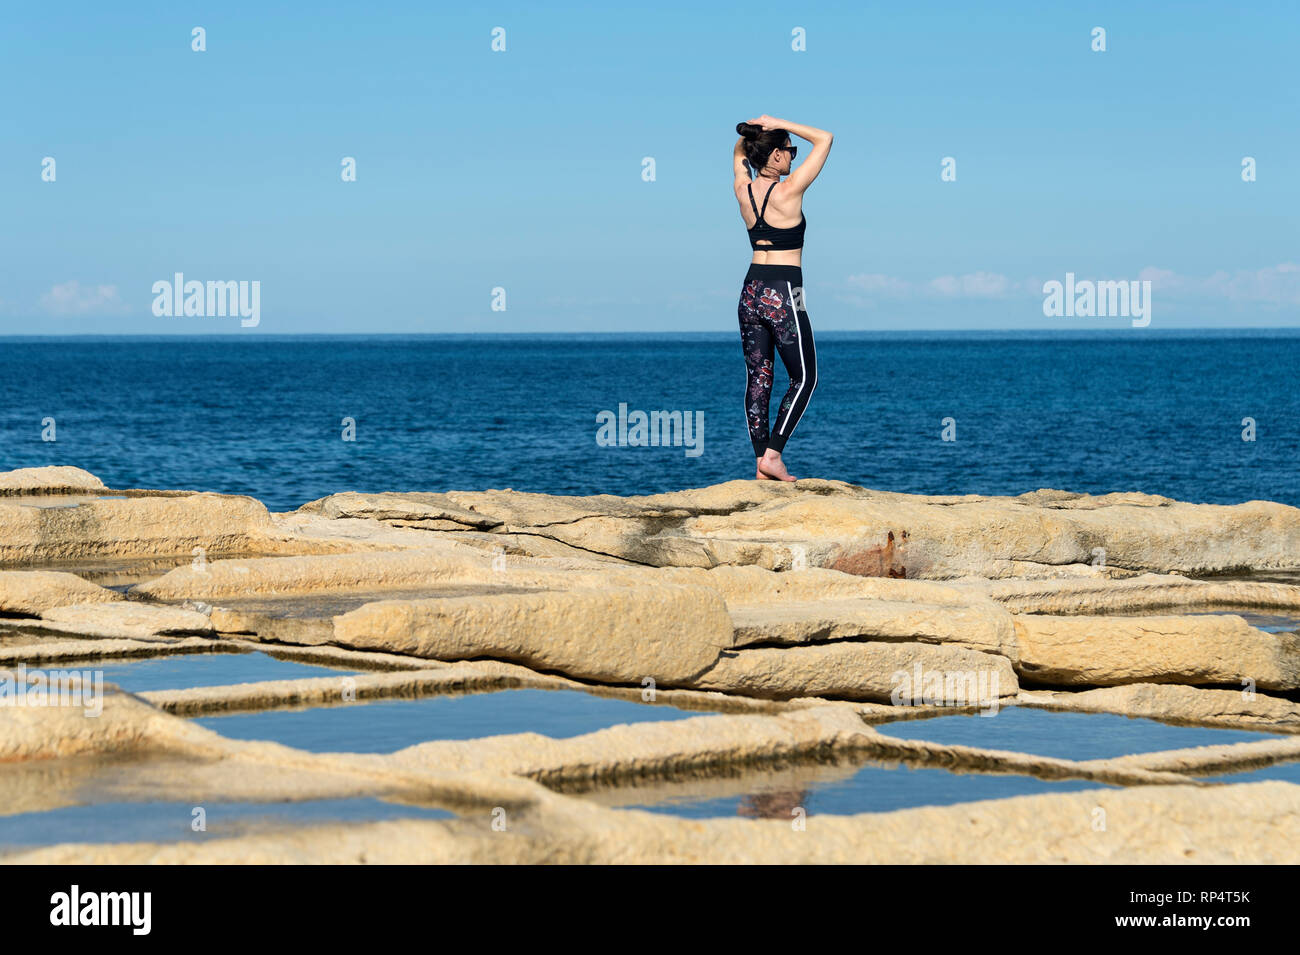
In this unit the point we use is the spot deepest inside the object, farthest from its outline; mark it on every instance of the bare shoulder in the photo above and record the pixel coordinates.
(786, 194)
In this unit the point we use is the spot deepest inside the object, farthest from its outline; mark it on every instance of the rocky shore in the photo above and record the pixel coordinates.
(796, 619)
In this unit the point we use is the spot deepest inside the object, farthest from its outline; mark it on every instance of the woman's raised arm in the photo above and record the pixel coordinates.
(738, 162)
(801, 178)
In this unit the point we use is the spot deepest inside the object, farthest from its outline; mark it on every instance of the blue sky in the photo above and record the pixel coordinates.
(522, 169)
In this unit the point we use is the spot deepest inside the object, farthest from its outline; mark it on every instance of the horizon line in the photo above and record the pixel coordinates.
(631, 333)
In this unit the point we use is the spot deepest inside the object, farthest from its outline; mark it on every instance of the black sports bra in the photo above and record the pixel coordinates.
(782, 240)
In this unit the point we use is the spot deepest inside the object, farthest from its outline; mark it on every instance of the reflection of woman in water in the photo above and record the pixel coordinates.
(772, 314)
(773, 805)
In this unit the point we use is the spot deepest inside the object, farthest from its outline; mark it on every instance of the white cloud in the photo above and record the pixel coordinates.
(1159, 278)
(971, 285)
(1278, 283)
(1274, 284)
(71, 299)
(884, 285)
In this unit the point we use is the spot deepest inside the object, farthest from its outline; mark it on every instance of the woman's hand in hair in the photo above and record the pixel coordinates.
(767, 122)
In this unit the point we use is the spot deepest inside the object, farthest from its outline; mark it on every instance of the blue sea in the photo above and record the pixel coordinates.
(1122, 410)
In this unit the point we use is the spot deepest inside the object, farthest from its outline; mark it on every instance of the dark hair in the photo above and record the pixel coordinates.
(759, 143)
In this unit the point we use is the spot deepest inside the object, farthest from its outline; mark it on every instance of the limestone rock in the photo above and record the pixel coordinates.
(772, 602)
(615, 635)
(71, 650)
(126, 618)
(1214, 759)
(862, 671)
(871, 533)
(1250, 823)
(440, 563)
(123, 724)
(1175, 703)
(985, 628)
(1107, 651)
(1146, 592)
(994, 537)
(649, 748)
(434, 511)
(28, 592)
(755, 585)
(56, 479)
(131, 527)
(327, 690)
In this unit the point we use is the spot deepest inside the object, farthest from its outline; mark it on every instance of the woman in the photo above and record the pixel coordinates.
(772, 314)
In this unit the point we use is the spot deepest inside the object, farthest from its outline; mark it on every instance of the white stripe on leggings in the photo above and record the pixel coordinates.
(812, 343)
(803, 364)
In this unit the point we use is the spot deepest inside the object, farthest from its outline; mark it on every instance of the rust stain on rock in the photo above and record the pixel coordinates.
(883, 561)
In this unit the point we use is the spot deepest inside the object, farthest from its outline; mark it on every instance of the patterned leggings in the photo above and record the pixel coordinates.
(772, 317)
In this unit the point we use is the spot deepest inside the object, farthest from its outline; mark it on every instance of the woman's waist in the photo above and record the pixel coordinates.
(781, 272)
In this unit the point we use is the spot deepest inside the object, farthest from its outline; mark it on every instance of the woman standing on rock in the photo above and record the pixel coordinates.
(772, 313)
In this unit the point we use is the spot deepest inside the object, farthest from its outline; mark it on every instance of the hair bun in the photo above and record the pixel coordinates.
(749, 130)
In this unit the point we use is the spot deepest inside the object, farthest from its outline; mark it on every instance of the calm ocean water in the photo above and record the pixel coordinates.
(1113, 411)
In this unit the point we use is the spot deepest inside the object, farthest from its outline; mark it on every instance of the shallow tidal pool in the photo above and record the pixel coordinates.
(386, 726)
(1077, 736)
(874, 787)
(174, 821)
(184, 670)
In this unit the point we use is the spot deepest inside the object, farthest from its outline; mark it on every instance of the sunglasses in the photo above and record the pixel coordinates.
(792, 150)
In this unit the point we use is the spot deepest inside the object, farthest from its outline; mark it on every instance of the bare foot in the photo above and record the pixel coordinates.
(758, 473)
(771, 466)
